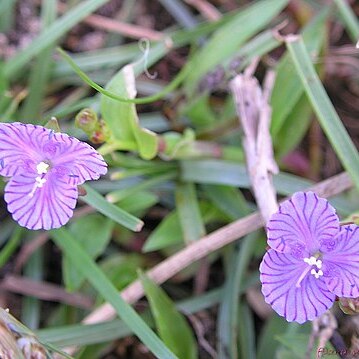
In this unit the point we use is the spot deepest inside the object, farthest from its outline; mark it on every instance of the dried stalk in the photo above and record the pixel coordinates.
(208, 10)
(123, 28)
(254, 113)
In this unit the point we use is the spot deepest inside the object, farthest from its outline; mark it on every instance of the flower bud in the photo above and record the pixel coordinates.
(100, 134)
(86, 120)
(349, 305)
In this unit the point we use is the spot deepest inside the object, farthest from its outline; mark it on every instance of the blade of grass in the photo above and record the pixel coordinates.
(324, 109)
(167, 89)
(247, 331)
(11, 245)
(149, 183)
(228, 325)
(80, 334)
(246, 23)
(83, 262)
(7, 14)
(40, 72)
(53, 33)
(350, 20)
(179, 338)
(180, 12)
(31, 307)
(188, 212)
(95, 200)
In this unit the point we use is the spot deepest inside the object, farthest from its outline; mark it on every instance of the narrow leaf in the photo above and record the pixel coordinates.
(95, 200)
(172, 326)
(83, 262)
(53, 33)
(324, 109)
(349, 18)
(189, 212)
(122, 118)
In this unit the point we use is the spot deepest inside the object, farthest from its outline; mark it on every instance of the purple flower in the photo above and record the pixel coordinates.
(45, 169)
(312, 258)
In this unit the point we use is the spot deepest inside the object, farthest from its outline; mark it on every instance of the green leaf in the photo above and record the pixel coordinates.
(349, 18)
(139, 201)
(199, 112)
(166, 234)
(235, 174)
(95, 200)
(122, 118)
(171, 325)
(170, 232)
(93, 233)
(52, 34)
(288, 90)
(324, 109)
(121, 269)
(229, 37)
(268, 343)
(188, 211)
(294, 127)
(83, 262)
(40, 71)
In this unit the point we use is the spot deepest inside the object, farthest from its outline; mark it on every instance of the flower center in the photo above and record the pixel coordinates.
(311, 261)
(42, 168)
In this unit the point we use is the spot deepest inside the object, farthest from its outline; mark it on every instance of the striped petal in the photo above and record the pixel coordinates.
(341, 264)
(46, 207)
(20, 147)
(280, 273)
(302, 223)
(77, 160)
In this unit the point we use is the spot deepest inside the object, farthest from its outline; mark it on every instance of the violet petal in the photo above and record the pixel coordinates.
(79, 160)
(280, 274)
(46, 207)
(341, 264)
(20, 146)
(305, 220)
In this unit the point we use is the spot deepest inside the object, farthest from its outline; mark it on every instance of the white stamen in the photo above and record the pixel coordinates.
(39, 182)
(311, 261)
(316, 274)
(42, 168)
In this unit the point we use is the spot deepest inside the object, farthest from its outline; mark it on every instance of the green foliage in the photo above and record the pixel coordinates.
(122, 119)
(177, 169)
(93, 233)
(223, 43)
(171, 325)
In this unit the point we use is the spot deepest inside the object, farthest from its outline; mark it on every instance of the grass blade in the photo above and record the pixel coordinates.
(324, 109)
(178, 337)
(40, 72)
(53, 33)
(95, 200)
(349, 19)
(223, 44)
(188, 212)
(83, 262)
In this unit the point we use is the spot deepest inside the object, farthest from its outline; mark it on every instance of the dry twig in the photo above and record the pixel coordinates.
(206, 9)
(128, 30)
(45, 291)
(255, 116)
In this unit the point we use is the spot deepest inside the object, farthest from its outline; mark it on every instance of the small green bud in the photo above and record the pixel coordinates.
(100, 134)
(53, 124)
(349, 305)
(86, 120)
